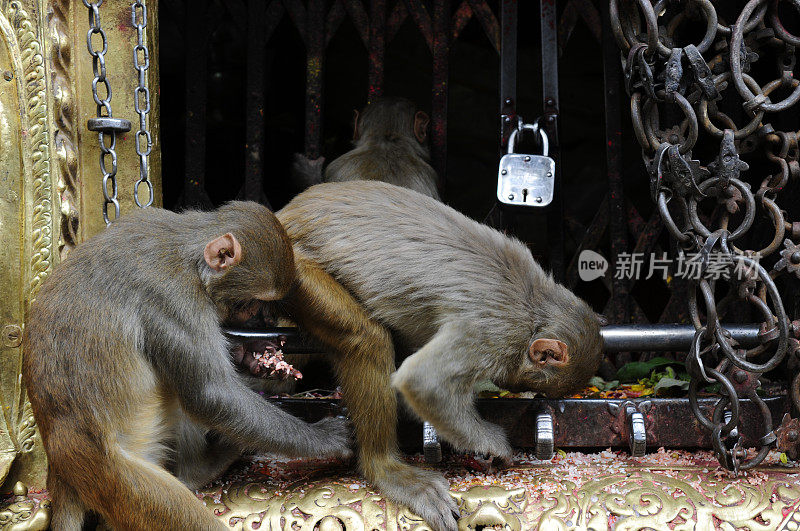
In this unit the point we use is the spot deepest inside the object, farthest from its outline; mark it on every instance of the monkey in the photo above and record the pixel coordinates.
(390, 145)
(378, 263)
(129, 374)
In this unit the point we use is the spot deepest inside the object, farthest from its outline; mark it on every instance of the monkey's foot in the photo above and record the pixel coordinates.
(484, 439)
(489, 464)
(332, 438)
(425, 492)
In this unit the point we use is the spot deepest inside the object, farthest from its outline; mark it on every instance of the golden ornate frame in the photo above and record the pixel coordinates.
(50, 186)
(50, 200)
(593, 497)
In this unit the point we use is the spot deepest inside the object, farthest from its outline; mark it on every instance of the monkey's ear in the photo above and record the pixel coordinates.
(551, 352)
(421, 121)
(356, 133)
(223, 252)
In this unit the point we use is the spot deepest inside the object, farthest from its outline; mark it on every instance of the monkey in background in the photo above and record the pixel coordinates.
(129, 373)
(390, 145)
(468, 301)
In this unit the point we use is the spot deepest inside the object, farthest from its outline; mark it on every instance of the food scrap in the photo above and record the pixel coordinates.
(266, 363)
(270, 364)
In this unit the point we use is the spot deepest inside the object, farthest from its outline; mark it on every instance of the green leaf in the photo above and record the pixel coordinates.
(598, 382)
(668, 386)
(640, 370)
(603, 385)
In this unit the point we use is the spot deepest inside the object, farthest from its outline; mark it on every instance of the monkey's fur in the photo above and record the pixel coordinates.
(390, 145)
(375, 259)
(129, 374)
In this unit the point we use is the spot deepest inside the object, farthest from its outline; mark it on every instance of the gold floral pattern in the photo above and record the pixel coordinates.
(632, 498)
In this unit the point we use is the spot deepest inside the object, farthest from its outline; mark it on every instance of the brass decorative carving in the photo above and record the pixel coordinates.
(628, 498)
(24, 514)
(26, 210)
(27, 429)
(50, 196)
(491, 506)
(64, 135)
(37, 162)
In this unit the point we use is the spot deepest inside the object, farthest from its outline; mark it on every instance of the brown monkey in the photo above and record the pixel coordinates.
(390, 145)
(125, 360)
(375, 259)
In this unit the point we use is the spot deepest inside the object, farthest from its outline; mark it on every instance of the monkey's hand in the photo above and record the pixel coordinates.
(426, 493)
(332, 438)
(485, 439)
(306, 172)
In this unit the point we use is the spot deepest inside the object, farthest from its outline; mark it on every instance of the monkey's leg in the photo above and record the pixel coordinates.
(128, 491)
(68, 510)
(364, 363)
(436, 381)
(201, 457)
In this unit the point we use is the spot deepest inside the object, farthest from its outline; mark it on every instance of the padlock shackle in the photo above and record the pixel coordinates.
(530, 127)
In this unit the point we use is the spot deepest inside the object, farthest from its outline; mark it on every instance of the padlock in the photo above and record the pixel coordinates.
(526, 180)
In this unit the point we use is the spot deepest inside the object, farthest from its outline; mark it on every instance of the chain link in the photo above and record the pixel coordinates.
(665, 80)
(141, 102)
(104, 124)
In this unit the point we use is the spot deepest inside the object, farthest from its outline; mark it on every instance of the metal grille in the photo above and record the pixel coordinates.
(681, 87)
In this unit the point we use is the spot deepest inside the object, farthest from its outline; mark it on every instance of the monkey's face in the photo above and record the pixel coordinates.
(562, 355)
(260, 266)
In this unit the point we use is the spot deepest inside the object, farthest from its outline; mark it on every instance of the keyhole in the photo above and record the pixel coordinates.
(524, 195)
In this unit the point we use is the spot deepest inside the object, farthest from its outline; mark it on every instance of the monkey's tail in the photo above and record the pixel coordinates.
(130, 492)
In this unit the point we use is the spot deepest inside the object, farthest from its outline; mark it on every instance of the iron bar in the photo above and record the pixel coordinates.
(315, 59)
(256, 101)
(616, 338)
(612, 74)
(555, 212)
(441, 52)
(196, 37)
(668, 337)
(508, 70)
(377, 48)
(483, 13)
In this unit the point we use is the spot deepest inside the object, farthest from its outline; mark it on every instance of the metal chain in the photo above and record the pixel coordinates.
(664, 80)
(141, 62)
(105, 124)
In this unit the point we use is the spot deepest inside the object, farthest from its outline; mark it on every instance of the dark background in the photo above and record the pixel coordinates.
(473, 148)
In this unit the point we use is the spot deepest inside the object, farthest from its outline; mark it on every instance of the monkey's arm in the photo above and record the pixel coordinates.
(210, 391)
(364, 363)
(437, 382)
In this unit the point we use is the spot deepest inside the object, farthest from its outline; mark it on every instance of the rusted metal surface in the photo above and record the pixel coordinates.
(579, 423)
